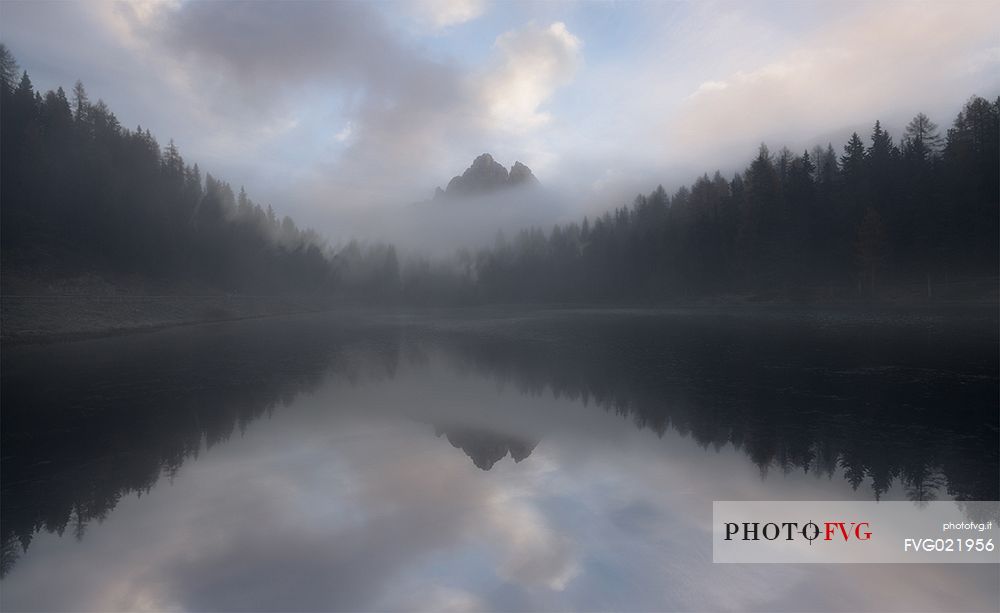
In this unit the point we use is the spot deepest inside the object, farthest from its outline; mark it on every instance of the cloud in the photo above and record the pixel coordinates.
(398, 101)
(405, 111)
(533, 62)
(887, 59)
(710, 86)
(327, 109)
(327, 93)
(431, 125)
(446, 13)
(265, 47)
(345, 133)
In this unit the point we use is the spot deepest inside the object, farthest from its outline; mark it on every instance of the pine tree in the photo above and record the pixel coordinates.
(8, 69)
(852, 163)
(921, 139)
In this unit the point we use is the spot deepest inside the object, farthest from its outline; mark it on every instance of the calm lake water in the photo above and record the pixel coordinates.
(526, 460)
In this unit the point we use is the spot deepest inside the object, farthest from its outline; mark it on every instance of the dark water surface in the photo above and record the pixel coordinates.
(485, 460)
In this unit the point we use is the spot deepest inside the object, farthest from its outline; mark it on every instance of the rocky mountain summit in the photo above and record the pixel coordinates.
(486, 175)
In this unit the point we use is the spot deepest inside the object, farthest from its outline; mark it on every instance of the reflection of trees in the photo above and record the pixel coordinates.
(923, 485)
(880, 404)
(86, 424)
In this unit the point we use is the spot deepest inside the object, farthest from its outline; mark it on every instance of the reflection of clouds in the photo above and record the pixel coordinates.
(445, 600)
(336, 504)
(444, 489)
(646, 536)
(534, 554)
(410, 502)
(325, 512)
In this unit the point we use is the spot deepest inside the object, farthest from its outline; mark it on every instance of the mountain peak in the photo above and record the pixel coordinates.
(521, 175)
(484, 160)
(486, 175)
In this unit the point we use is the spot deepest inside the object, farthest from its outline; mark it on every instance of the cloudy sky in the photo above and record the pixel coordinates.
(328, 109)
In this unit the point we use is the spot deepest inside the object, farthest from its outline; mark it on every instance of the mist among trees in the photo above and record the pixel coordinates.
(821, 223)
(83, 194)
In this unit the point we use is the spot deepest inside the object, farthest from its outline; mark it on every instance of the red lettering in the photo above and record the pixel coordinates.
(831, 528)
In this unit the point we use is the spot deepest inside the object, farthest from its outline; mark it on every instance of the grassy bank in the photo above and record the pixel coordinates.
(44, 318)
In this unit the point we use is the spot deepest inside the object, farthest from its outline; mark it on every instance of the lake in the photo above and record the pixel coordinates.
(521, 459)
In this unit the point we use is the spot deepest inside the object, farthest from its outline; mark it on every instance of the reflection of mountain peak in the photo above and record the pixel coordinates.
(486, 175)
(485, 448)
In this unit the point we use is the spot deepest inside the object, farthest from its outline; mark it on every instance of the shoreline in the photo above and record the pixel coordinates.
(54, 319)
(39, 320)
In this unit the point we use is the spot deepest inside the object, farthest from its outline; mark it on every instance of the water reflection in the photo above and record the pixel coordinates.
(85, 424)
(911, 402)
(331, 477)
(486, 448)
